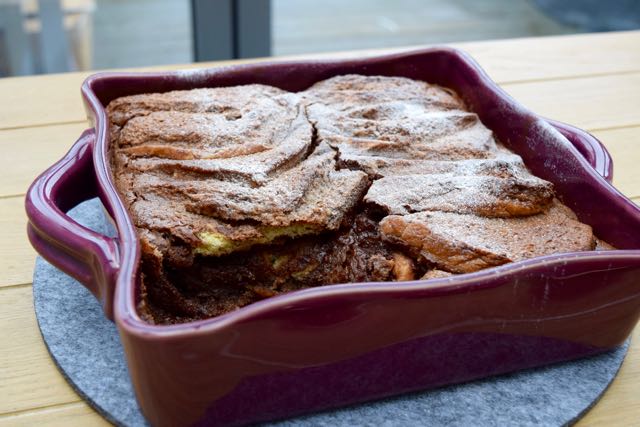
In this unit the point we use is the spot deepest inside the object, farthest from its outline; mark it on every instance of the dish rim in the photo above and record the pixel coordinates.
(124, 301)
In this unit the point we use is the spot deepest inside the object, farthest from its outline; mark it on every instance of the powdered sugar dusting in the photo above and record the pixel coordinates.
(247, 153)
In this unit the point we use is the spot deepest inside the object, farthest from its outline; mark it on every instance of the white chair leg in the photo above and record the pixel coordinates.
(18, 49)
(56, 55)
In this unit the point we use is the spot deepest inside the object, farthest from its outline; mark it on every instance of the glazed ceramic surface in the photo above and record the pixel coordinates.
(335, 345)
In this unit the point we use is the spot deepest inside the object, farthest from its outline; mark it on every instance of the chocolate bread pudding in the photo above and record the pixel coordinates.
(243, 193)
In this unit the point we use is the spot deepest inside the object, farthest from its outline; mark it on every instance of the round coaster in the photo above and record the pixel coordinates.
(86, 347)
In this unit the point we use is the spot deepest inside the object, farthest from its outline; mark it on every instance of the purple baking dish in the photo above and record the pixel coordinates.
(336, 345)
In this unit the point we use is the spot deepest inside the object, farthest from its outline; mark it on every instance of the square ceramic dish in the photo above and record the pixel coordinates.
(335, 345)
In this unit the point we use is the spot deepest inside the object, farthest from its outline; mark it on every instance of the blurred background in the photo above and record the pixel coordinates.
(49, 36)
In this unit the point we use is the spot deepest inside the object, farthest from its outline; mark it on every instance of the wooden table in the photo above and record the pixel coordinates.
(592, 81)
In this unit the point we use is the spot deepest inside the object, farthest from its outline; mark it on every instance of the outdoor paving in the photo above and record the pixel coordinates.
(154, 32)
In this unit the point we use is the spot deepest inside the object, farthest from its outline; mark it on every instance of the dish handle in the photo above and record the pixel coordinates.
(589, 146)
(87, 256)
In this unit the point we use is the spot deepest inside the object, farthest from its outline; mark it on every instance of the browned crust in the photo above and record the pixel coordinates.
(462, 243)
(245, 163)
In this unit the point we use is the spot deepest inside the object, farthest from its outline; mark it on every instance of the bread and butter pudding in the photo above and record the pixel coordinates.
(242, 193)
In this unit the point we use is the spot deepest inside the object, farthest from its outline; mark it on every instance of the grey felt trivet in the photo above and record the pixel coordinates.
(86, 348)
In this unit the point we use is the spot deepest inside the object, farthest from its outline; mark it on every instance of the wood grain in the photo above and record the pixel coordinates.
(16, 254)
(28, 376)
(34, 101)
(546, 58)
(73, 414)
(37, 101)
(32, 151)
(35, 149)
(619, 405)
(624, 147)
(592, 103)
(592, 81)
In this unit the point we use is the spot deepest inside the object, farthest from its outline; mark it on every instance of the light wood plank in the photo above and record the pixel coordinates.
(620, 405)
(30, 380)
(624, 147)
(28, 377)
(590, 102)
(30, 101)
(32, 151)
(538, 58)
(74, 414)
(16, 254)
(46, 100)
(546, 58)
